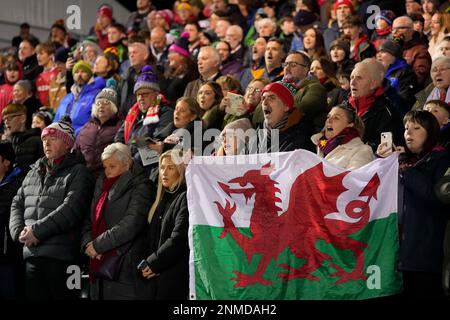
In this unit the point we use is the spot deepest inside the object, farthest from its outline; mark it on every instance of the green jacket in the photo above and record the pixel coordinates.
(422, 96)
(310, 100)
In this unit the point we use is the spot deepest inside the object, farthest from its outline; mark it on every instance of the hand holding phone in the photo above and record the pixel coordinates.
(386, 140)
(141, 266)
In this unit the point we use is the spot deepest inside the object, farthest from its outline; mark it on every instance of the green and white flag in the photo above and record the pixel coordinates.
(292, 226)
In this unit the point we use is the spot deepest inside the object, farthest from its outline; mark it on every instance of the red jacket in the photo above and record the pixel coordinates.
(43, 85)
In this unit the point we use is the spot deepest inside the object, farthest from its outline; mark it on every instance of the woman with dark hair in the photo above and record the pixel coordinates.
(422, 216)
(340, 140)
(180, 70)
(167, 257)
(340, 55)
(187, 112)
(313, 43)
(209, 98)
(228, 66)
(324, 70)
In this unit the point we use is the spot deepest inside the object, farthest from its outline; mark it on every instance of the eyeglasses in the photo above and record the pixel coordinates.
(436, 70)
(102, 102)
(10, 117)
(253, 89)
(292, 64)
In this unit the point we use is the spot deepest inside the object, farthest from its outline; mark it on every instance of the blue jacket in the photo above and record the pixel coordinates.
(402, 85)
(80, 110)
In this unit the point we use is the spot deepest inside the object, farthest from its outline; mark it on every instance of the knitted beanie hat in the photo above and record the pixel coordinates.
(348, 3)
(391, 47)
(341, 43)
(108, 93)
(61, 130)
(386, 15)
(147, 80)
(285, 91)
(82, 65)
(181, 46)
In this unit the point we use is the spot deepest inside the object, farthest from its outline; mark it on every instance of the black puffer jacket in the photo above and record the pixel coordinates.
(125, 215)
(9, 252)
(54, 202)
(28, 147)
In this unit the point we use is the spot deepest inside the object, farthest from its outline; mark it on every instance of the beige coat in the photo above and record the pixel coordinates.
(351, 155)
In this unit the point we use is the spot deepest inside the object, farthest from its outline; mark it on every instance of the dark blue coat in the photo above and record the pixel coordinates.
(423, 217)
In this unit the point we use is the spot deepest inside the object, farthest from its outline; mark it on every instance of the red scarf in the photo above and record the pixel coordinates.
(383, 32)
(129, 121)
(356, 46)
(346, 135)
(99, 224)
(363, 104)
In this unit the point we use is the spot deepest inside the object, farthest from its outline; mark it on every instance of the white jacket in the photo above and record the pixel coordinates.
(351, 155)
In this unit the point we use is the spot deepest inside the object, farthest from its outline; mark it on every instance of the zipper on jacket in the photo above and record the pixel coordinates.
(5, 241)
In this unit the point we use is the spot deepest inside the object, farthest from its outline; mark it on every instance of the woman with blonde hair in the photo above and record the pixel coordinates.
(440, 27)
(168, 255)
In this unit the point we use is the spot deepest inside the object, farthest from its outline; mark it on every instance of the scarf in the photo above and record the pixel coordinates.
(409, 160)
(279, 126)
(384, 32)
(154, 110)
(363, 104)
(356, 46)
(436, 95)
(99, 224)
(129, 122)
(346, 135)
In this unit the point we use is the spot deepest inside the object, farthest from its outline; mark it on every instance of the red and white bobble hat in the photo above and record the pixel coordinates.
(61, 130)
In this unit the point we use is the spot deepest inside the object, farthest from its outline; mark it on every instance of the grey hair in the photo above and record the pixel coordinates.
(408, 20)
(440, 60)
(374, 68)
(214, 53)
(239, 30)
(94, 111)
(119, 151)
(267, 21)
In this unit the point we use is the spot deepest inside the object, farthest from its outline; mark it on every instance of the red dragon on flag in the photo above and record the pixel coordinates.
(313, 197)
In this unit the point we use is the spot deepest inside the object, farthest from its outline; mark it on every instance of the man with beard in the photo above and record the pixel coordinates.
(78, 104)
(284, 128)
(310, 97)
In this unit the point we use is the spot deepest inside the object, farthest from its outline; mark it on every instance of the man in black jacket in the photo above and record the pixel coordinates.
(368, 98)
(26, 143)
(10, 253)
(47, 212)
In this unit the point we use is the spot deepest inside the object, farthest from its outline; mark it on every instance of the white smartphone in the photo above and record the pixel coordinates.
(386, 139)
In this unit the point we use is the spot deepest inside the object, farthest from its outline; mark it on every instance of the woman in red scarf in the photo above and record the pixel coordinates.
(113, 231)
(340, 141)
(422, 216)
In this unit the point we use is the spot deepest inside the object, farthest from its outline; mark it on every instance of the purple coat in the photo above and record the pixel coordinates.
(92, 140)
(233, 68)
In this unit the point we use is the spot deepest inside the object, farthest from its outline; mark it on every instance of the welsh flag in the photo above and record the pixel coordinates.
(292, 226)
